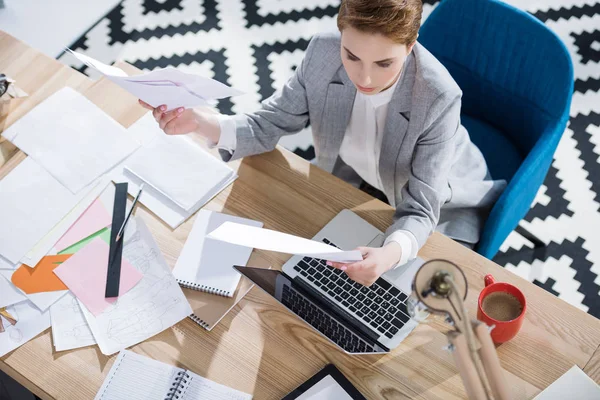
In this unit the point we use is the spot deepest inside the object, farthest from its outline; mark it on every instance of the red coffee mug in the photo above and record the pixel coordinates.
(504, 330)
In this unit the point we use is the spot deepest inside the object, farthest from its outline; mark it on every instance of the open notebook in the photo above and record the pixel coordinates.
(207, 264)
(134, 377)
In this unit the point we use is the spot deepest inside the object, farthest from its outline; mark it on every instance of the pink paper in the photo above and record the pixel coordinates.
(85, 275)
(91, 221)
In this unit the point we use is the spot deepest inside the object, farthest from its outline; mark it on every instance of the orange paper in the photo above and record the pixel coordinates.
(41, 278)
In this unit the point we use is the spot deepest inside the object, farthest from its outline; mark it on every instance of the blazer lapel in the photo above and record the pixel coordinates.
(336, 116)
(396, 126)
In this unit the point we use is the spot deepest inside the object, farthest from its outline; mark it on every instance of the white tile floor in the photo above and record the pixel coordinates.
(50, 25)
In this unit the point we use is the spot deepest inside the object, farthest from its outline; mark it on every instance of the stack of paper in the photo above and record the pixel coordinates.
(32, 203)
(180, 176)
(153, 305)
(167, 86)
(72, 145)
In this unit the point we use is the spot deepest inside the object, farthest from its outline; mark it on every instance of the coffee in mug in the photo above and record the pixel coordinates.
(502, 306)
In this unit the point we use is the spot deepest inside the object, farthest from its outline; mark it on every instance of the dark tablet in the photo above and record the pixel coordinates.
(328, 383)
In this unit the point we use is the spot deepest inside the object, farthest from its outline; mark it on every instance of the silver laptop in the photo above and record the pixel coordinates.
(358, 319)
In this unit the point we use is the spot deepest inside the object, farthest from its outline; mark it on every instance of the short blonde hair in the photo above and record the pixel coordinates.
(398, 20)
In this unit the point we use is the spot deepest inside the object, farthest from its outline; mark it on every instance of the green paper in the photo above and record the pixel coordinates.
(103, 234)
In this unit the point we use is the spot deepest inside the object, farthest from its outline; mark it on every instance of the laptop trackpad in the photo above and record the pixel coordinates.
(403, 276)
(376, 242)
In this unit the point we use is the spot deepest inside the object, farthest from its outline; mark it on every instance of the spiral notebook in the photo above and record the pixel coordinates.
(134, 377)
(207, 264)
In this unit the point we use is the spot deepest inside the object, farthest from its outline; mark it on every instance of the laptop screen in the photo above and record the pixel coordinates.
(315, 311)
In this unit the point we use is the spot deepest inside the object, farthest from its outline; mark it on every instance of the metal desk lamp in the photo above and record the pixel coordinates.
(441, 287)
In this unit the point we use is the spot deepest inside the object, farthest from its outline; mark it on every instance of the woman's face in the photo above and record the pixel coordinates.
(372, 61)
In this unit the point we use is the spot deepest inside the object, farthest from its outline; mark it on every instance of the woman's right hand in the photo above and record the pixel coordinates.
(186, 120)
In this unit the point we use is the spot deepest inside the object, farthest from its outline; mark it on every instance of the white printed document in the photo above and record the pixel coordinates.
(167, 86)
(266, 239)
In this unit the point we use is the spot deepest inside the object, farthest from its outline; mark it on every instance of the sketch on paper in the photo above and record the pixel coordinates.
(29, 321)
(69, 328)
(153, 305)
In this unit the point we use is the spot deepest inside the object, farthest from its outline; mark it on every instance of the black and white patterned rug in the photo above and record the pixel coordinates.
(255, 45)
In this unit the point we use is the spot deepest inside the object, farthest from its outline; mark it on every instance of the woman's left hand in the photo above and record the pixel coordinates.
(376, 261)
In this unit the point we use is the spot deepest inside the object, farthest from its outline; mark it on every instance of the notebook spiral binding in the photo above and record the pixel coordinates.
(199, 321)
(178, 386)
(202, 288)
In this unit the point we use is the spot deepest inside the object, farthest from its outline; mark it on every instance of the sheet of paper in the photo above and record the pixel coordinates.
(42, 301)
(153, 305)
(41, 278)
(85, 275)
(92, 220)
(266, 239)
(178, 169)
(164, 86)
(45, 245)
(145, 131)
(73, 139)
(327, 388)
(7, 265)
(9, 294)
(30, 323)
(574, 384)
(32, 202)
(103, 234)
(69, 328)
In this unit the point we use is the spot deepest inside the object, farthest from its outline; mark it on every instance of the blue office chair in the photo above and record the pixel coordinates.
(517, 80)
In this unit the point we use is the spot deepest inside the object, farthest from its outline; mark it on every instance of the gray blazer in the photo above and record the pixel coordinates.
(434, 176)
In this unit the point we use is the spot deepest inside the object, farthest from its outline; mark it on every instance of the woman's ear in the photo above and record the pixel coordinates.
(410, 47)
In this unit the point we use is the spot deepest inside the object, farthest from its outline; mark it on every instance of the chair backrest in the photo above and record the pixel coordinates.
(510, 67)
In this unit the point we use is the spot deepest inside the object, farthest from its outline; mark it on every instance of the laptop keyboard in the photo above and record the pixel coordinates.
(380, 306)
(324, 323)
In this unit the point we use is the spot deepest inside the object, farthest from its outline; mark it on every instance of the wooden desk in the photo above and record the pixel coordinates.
(259, 347)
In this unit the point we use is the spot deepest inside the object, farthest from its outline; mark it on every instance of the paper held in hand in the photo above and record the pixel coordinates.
(266, 239)
(167, 86)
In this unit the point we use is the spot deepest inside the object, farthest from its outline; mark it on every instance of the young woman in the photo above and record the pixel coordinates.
(385, 114)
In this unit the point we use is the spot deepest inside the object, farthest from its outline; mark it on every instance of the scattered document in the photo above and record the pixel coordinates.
(146, 131)
(46, 244)
(7, 265)
(41, 278)
(270, 240)
(574, 384)
(129, 376)
(32, 202)
(72, 138)
(85, 275)
(30, 323)
(9, 294)
(153, 305)
(167, 86)
(42, 301)
(69, 328)
(206, 264)
(95, 218)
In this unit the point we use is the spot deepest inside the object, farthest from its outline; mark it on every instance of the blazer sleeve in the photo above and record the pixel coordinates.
(284, 113)
(427, 188)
